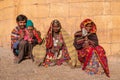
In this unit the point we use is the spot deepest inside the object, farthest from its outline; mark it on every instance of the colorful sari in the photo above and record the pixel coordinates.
(44, 56)
(51, 57)
(93, 58)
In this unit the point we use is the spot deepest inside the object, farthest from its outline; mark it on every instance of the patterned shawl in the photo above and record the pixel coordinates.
(68, 42)
(39, 52)
(87, 21)
(99, 50)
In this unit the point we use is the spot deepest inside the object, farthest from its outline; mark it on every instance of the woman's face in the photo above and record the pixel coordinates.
(88, 27)
(55, 28)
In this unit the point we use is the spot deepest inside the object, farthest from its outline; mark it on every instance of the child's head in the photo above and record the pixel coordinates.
(29, 25)
(30, 29)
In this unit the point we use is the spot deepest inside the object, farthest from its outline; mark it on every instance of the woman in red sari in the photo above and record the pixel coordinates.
(90, 53)
(56, 51)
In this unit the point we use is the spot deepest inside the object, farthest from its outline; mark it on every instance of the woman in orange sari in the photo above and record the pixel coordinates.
(90, 53)
(56, 51)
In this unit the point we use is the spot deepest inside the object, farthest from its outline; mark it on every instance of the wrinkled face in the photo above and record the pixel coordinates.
(56, 27)
(21, 24)
(30, 29)
(88, 27)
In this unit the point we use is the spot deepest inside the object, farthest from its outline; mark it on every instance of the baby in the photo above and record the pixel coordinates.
(29, 32)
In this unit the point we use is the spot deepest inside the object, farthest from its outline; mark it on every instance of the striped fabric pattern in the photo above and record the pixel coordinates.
(14, 35)
(71, 49)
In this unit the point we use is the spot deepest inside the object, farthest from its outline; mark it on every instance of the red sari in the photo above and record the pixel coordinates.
(63, 54)
(93, 57)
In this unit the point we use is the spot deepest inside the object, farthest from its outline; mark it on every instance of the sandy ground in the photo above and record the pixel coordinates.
(27, 70)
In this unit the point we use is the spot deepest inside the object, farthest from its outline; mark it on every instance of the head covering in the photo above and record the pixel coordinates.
(51, 25)
(29, 23)
(67, 44)
(56, 22)
(49, 37)
(87, 21)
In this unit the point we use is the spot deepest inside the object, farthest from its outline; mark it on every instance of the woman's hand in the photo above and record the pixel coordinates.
(86, 44)
(91, 42)
(79, 41)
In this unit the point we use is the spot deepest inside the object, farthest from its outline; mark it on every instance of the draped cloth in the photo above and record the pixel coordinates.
(50, 57)
(86, 54)
(69, 52)
(71, 49)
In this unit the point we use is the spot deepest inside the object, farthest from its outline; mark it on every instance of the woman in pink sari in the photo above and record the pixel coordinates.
(90, 53)
(56, 50)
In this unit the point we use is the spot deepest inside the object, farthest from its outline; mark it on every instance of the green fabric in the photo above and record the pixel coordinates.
(29, 23)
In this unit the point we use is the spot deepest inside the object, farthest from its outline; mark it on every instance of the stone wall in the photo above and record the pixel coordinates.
(105, 13)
